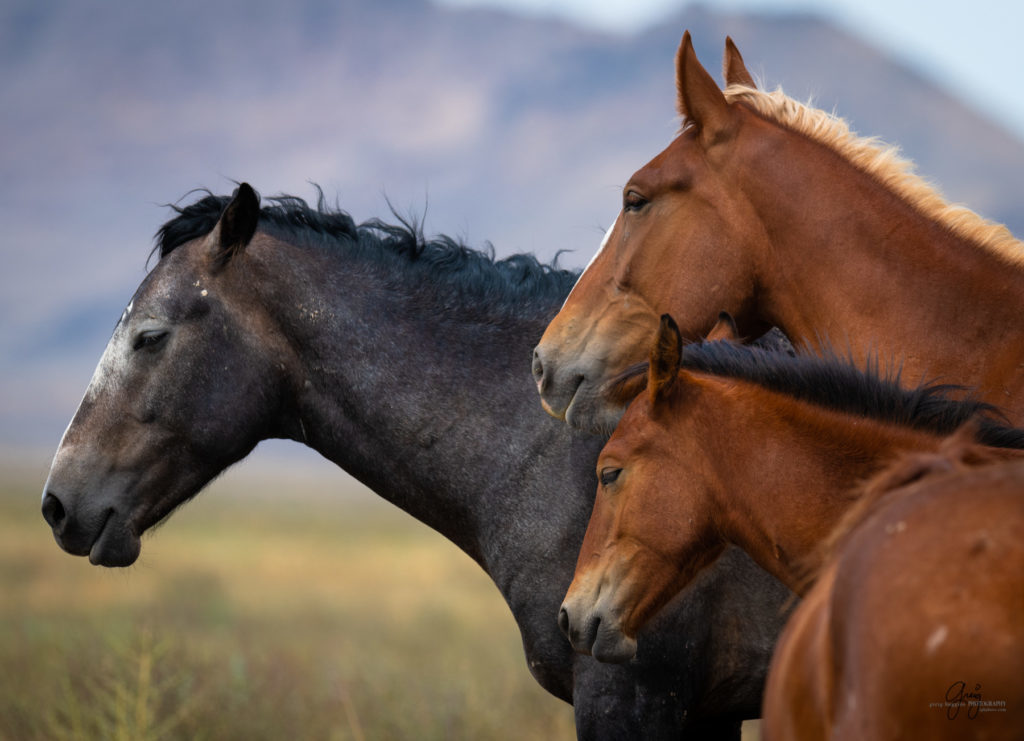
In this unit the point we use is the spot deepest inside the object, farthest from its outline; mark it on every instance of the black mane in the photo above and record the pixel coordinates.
(836, 383)
(473, 275)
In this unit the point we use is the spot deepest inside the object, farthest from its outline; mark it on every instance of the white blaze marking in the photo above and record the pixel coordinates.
(111, 365)
(604, 243)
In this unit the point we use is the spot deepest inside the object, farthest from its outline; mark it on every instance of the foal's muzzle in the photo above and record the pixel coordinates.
(593, 633)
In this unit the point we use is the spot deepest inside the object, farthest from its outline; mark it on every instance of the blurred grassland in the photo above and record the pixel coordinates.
(260, 611)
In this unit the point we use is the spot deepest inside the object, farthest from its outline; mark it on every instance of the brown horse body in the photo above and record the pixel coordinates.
(778, 214)
(706, 458)
(915, 629)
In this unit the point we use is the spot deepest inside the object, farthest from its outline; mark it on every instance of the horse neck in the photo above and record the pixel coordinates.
(852, 262)
(800, 471)
(432, 409)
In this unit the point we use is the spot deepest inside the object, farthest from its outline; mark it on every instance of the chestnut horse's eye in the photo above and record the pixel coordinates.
(609, 475)
(633, 201)
(149, 340)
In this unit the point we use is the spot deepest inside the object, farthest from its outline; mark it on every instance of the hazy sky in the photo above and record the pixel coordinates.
(973, 46)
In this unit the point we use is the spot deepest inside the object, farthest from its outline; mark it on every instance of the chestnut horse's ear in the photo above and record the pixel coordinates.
(699, 99)
(666, 357)
(733, 69)
(724, 329)
(236, 226)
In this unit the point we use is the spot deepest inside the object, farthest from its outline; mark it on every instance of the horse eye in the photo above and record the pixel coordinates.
(609, 475)
(149, 339)
(633, 201)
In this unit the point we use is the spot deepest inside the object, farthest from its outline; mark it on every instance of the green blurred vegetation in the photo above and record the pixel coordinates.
(260, 611)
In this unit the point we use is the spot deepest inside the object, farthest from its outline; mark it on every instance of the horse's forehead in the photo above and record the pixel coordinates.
(680, 154)
(634, 429)
(127, 311)
(174, 278)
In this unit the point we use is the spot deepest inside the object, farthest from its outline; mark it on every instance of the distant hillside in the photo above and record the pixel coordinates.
(501, 128)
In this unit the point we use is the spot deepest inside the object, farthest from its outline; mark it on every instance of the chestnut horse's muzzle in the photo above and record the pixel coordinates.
(595, 632)
(568, 392)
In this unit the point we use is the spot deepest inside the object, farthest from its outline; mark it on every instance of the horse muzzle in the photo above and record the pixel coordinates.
(594, 632)
(568, 392)
(95, 528)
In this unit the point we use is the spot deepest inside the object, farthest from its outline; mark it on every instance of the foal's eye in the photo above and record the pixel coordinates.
(149, 340)
(609, 475)
(633, 201)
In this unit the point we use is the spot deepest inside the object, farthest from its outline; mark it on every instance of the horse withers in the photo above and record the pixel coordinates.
(777, 213)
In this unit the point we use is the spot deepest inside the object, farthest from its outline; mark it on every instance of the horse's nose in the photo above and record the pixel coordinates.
(556, 385)
(563, 621)
(538, 369)
(54, 512)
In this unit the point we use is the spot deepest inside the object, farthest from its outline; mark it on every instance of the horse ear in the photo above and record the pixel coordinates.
(724, 329)
(236, 226)
(666, 357)
(699, 99)
(733, 69)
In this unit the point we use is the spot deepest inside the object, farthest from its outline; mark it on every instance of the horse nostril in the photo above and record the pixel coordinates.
(53, 511)
(538, 367)
(563, 621)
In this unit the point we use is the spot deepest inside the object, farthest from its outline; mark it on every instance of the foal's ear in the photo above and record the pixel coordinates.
(666, 357)
(733, 69)
(724, 329)
(236, 226)
(699, 98)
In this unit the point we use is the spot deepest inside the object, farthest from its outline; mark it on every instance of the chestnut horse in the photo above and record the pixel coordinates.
(775, 212)
(915, 627)
(733, 444)
(401, 360)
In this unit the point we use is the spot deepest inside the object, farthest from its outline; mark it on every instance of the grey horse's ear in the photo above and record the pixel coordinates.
(236, 226)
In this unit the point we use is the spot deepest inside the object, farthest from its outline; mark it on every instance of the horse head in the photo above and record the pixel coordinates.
(180, 393)
(644, 542)
(684, 241)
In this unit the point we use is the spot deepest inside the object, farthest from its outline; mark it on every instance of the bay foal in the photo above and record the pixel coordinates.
(767, 451)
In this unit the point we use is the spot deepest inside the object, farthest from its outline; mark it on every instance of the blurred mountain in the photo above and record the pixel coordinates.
(495, 127)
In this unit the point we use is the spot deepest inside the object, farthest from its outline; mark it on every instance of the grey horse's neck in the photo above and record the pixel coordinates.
(434, 408)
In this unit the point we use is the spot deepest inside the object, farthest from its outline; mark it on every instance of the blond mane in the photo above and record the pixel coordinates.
(884, 163)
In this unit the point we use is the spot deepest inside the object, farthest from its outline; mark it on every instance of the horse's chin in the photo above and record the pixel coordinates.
(613, 647)
(603, 640)
(116, 546)
(593, 414)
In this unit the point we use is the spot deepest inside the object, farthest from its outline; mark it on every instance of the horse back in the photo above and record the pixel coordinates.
(916, 628)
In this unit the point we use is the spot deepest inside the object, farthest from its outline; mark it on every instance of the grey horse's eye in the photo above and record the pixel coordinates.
(150, 339)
